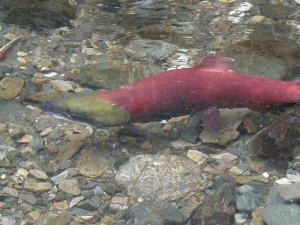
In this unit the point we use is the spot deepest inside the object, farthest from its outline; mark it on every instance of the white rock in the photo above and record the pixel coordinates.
(266, 175)
(52, 74)
(283, 180)
(293, 178)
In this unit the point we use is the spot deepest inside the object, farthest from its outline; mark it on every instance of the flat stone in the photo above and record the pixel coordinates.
(38, 174)
(26, 139)
(10, 87)
(38, 187)
(282, 214)
(69, 149)
(293, 178)
(51, 218)
(147, 49)
(70, 187)
(94, 162)
(283, 181)
(2, 127)
(225, 159)
(28, 198)
(197, 156)
(213, 170)
(11, 191)
(246, 198)
(248, 179)
(34, 215)
(62, 85)
(75, 201)
(161, 177)
(257, 167)
(289, 192)
(235, 171)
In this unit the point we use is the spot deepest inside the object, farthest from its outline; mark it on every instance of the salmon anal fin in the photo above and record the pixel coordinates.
(211, 118)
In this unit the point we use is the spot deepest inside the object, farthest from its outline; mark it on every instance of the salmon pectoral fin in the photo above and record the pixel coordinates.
(211, 118)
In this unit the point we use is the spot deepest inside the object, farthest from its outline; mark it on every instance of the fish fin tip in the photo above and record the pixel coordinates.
(211, 118)
(213, 62)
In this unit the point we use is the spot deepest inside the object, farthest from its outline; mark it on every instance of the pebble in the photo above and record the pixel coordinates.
(26, 139)
(257, 19)
(149, 49)
(61, 206)
(38, 174)
(94, 161)
(247, 199)
(22, 61)
(240, 218)
(226, 156)
(11, 191)
(294, 178)
(70, 186)
(283, 180)
(213, 170)
(257, 167)
(181, 144)
(75, 201)
(34, 215)
(235, 171)
(197, 156)
(227, 1)
(266, 175)
(68, 149)
(22, 54)
(224, 159)
(75, 137)
(2, 127)
(52, 218)
(38, 187)
(257, 217)
(60, 177)
(51, 74)
(28, 198)
(10, 87)
(167, 128)
(248, 179)
(62, 85)
(47, 131)
(22, 172)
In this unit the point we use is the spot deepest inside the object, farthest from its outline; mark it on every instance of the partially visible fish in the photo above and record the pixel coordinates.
(209, 85)
(5, 49)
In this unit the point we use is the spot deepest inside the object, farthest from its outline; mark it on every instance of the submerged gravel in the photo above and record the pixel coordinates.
(175, 172)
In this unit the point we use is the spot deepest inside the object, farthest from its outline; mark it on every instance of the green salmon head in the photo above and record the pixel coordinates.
(87, 108)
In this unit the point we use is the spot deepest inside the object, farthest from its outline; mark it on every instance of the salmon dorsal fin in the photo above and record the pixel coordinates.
(215, 63)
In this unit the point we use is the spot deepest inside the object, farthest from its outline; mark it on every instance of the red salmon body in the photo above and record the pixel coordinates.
(209, 85)
(179, 92)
